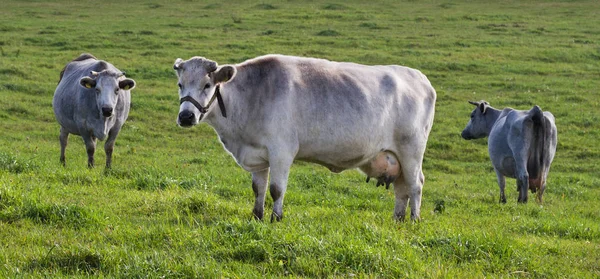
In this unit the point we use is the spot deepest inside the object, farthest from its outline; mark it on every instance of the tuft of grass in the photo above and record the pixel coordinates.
(72, 216)
(81, 262)
(335, 7)
(13, 164)
(265, 6)
(371, 25)
(328, 33)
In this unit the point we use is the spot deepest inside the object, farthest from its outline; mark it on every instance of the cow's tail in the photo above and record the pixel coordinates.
(538, 148)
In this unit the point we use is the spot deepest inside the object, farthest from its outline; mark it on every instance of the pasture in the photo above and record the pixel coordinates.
(175, 204)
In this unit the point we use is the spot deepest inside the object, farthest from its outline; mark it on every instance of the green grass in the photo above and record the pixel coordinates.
(176, 205)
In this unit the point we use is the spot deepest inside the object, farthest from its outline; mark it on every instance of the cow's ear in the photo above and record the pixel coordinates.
(87, 82)
(127, 84)
(224, 74)
(177, 64)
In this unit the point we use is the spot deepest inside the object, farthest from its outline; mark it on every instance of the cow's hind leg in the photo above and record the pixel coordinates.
(279, 171)
(259, 186)
(401, 191)
(540, 192)
(409, 185)
(522, 175)
(90, 147)
(64, 139)
(501, 184)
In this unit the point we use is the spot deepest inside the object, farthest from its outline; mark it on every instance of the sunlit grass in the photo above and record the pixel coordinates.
(175, 204)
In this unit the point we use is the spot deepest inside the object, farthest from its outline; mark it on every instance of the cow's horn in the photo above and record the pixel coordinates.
(211, 66)
(474, 103)
(94, 73)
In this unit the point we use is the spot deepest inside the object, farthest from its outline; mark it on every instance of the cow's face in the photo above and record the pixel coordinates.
(107, 86)
(197, 80)
(477, 126)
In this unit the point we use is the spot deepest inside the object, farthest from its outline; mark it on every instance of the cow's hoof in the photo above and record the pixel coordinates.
(275, 217)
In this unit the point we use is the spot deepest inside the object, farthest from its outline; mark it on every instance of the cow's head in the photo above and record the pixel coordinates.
(198, 78)
(107, 85)
(477, 127)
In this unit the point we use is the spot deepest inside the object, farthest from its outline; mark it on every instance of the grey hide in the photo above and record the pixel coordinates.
(521, 144)
(339, 115)
(92, 100)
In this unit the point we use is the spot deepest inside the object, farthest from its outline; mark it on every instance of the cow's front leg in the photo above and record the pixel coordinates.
(259, 186)
(109, 145)
(501, 184)
(64, 139)
(90, 147)
(280, 170)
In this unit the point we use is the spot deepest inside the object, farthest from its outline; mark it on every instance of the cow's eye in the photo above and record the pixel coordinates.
(117, 91)
(179, 84)
(207, 86)
(97, 90)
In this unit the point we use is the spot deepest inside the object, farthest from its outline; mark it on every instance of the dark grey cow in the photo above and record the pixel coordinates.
(92, 100)
(521, 144)
(275, 109)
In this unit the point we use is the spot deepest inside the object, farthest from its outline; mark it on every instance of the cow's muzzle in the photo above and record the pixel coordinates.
(466, 135)
(186, 118)
(107, 111)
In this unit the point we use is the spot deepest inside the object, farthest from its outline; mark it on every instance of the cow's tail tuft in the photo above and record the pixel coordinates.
(537, 148)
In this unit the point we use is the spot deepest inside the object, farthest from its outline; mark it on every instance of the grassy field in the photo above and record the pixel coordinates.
(175, 204)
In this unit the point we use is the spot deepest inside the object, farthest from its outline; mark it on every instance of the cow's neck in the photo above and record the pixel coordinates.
(491, 116)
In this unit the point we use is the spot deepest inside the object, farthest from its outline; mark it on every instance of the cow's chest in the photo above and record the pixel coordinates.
(251, 157)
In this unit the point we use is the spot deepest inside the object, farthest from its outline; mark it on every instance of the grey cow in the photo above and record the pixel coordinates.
(521, 144)
(275, 109)
(92, 100)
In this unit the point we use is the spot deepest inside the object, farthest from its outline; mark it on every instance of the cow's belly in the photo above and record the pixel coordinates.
(338, 160)
(343, 152)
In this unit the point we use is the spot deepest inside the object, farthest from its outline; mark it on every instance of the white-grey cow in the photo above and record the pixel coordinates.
(275, 109)
(92, 100)
(521, 144)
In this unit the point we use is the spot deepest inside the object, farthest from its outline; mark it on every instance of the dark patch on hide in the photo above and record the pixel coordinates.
(275, 191)
(260, 83)
(387, 85)
(409, 103)
(100, 66)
